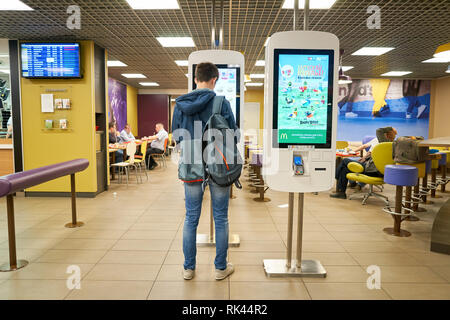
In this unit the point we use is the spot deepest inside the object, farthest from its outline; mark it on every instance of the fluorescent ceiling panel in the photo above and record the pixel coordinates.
(116, 63)
(254, 84)
(176, 41)
(153, 4)
(396, 73)
(5, 71)
(257, 76)
(313, 4)
(15, 5)
(372, 51)
(149, 84)
(436, 60)
(134, 75)
(260, 63)
(182, 63)
(346, 68)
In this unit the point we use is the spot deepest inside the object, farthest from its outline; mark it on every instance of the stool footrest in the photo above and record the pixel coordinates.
(391, 211)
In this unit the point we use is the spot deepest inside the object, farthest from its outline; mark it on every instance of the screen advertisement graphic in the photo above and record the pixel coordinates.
(50, 60)
(303, 107)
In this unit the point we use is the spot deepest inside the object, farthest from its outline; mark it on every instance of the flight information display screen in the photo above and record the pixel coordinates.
(229, 86)
(50, 60)
(303, 97)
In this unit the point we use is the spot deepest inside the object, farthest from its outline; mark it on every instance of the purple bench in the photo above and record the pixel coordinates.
(12, 183)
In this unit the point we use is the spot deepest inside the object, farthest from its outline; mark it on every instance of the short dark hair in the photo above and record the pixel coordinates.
(111, 125)
(206, 71)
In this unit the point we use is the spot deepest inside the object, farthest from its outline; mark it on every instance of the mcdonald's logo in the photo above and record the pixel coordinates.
(283, 136)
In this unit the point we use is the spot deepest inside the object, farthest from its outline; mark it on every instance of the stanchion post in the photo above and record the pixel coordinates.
(13, 263)
(74, 223)
(301, 198)
(289, 231)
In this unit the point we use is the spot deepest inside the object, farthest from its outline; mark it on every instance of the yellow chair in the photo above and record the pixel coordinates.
(382, 156)
(140, 160)
(341, 144)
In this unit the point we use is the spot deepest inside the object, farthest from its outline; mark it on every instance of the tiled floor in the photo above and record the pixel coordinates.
(130, 248)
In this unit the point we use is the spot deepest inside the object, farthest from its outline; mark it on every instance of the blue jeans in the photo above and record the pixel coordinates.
(193, 200)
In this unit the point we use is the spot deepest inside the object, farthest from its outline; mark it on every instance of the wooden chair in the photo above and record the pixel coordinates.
(140, 160)
(124, 166)
(162, 155)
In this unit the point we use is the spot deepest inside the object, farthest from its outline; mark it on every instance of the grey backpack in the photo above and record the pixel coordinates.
(222, 160)
(406, 150)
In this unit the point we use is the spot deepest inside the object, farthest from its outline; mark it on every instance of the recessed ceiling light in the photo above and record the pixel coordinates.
(346, 68)
(372, 51)
(176, 41)
(14, 5)
(436, 60)
(443, 51)
(313, 4)
(257, 76)
(182, 63)
(260, 63)
(267, 41)
(254, 84)
(153, 4)
(134, 75)
(396, 73)
(116, 63)
(149, 84)
(187, 75)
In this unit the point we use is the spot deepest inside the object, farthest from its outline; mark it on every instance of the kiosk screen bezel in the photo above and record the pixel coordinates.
(330, 53)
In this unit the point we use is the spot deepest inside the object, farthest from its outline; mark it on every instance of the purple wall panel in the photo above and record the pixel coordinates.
(152, 108)
(117, 112)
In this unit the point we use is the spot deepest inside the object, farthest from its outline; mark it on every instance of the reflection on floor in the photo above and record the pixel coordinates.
(130, 248)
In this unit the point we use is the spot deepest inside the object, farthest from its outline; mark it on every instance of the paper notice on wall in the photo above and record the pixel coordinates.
(47, 103)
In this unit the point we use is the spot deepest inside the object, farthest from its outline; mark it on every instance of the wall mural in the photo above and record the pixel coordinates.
(117, 112)
(366, 105)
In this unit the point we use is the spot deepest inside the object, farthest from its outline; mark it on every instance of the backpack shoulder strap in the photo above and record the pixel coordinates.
(217, 105)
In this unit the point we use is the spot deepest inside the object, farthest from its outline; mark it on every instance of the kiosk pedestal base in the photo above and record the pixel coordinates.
(309, 268)
(204, 240)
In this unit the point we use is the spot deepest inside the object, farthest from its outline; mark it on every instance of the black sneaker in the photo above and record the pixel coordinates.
(339, 195)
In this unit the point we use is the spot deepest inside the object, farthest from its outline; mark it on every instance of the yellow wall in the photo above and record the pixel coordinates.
(44, 147)
(132, 109)
(252, 95)
(440, 108)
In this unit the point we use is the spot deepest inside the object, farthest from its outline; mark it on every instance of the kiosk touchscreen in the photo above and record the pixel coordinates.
(301, 110)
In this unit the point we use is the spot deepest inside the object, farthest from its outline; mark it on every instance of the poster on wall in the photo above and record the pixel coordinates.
(117, 113)
(365, 105)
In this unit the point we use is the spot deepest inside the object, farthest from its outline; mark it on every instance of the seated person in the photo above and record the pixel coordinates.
(126, 134)
(157, 145)
(9, 127)
(387, 134)
(114, 137)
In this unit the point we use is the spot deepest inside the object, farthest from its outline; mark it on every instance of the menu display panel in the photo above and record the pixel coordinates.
(303, 97)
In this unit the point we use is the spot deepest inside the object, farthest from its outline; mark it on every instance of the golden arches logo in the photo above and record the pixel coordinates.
(283, 136)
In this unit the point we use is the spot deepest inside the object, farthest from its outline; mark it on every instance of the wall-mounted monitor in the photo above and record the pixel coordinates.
(303, 97)
(228, 85)
(50, 60)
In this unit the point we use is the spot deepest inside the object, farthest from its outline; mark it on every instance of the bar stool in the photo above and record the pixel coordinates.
(445, 159)
(434, 168)
(412, 200)
(399, 176)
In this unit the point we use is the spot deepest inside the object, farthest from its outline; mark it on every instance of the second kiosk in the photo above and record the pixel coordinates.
(301, 109)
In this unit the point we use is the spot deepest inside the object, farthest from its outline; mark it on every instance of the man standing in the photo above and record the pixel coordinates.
(126, 134)
(157, 145)
(193, 111)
